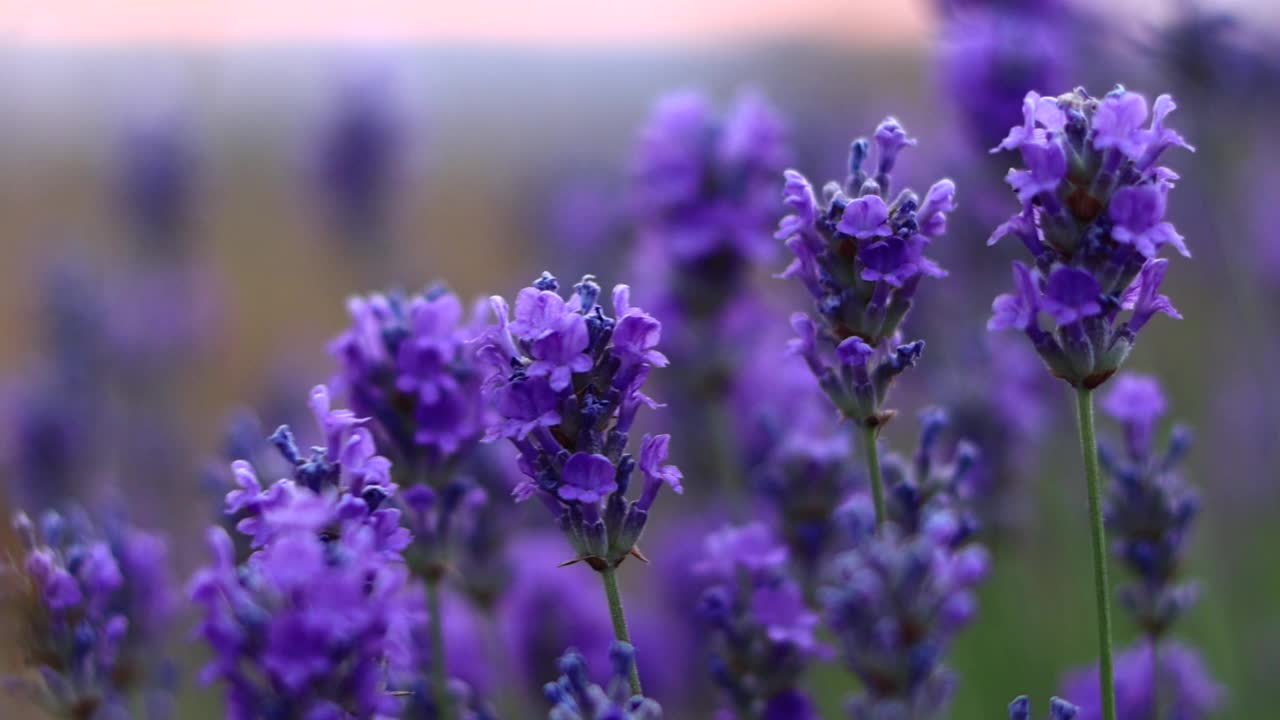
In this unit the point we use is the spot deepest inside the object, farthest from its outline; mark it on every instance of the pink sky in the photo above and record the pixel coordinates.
(877, 22)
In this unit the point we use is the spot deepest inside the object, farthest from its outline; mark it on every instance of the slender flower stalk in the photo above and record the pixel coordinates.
(1093, 204)
(861, 257)
(1098, 545)
(1149, 510)
(565, 380)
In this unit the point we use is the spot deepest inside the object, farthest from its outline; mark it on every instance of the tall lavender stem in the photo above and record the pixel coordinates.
(873, 472)
(619, 618)
(1089, 448)
(439, 681)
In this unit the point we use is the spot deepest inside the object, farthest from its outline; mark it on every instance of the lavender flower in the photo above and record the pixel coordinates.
(1149, 508)
(157, 167)
(703, 196)
(924, 494)
(90, 607)
(406, 364)
(1059, 709)
(566, 382)
(861, 257)
(895, 601)
(335, 484)
(762, 632)
(358, 154)
(301, 629)
(1093, 219)
(1175, 672)
(575, 697)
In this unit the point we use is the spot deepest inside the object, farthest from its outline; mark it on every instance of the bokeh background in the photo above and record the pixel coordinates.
(177, 245)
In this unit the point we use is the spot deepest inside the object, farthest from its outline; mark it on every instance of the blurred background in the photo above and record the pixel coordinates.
(190, 191)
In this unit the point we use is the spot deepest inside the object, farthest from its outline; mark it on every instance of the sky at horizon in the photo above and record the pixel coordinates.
(221, 23)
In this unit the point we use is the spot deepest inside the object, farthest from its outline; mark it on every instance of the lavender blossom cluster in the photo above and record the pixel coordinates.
(1093, 205)
(860, 255)
(566, 382)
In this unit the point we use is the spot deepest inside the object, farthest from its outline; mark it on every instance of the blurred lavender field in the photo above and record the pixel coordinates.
(183, 230)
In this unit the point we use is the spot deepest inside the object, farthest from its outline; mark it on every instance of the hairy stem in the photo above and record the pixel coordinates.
(619, 618)
(1098, 533)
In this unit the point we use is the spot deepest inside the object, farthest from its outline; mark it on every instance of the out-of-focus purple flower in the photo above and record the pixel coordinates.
(861, 257)
(302, 628)
(925, 492)
(359, 153)
(92, 606)
(571, 424)
(703, 197)
(989, 57)
(156, 162)
(1093, 232)
(1187, 691)
(337, 485)
(1059, 709)
(575, 697)
(549, 607)
(406, 363)
(895, 601)
(763, 634)
(1149, 508)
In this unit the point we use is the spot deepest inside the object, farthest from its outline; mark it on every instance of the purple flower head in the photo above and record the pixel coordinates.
(407, 365)
(570, 425)
(1184, 684)
(894, 602)
(157, 167)
(1059, 709)
(861, 258)
(359, 150)
(1149, 508)
(575, 697)
(702, 198)
(342, 483)
(92, 603)
(304, 625)
(1093, 232)
(762, 632)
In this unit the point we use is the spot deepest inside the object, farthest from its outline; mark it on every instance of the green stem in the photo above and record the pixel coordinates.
(1098, 533)
(439, 682)
(619, 618)
(873, 471)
